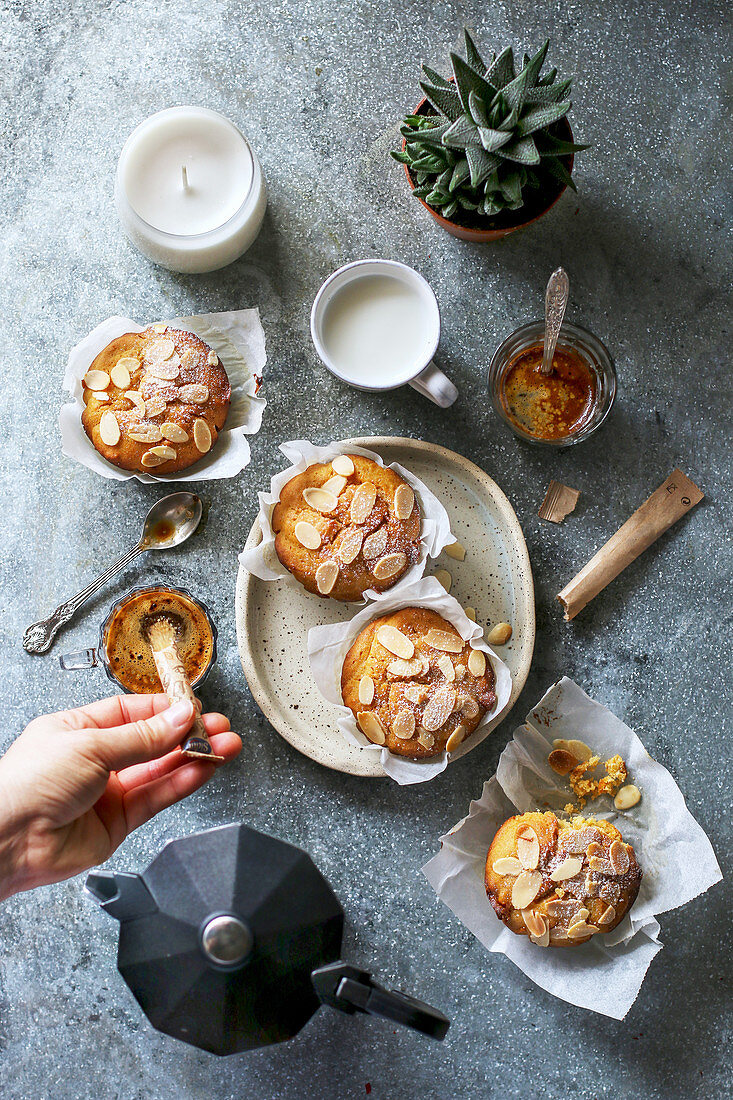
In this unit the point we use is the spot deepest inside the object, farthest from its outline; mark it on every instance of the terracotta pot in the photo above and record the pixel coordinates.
(494, 233)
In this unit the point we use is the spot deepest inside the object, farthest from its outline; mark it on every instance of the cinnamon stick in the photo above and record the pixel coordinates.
(665, 506)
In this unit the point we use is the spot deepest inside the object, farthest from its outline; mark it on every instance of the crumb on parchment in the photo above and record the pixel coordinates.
(587, 788)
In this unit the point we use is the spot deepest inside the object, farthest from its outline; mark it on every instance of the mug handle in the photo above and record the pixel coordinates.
(433, 384)
(80, 658)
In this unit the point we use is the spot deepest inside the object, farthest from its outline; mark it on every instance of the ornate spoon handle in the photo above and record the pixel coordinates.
(38, 636)
(556, 299)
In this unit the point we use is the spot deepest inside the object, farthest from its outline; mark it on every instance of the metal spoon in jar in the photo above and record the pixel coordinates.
(168, 523)
(556, 299)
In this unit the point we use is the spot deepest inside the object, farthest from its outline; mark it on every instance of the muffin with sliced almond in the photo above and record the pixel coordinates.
(414, 685)
(155, 401)
(560, 882)
(345, 526)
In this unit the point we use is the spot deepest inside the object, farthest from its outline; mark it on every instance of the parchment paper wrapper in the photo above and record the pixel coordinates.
(328, 646)
(238, 339)
(677, 859)
(264, 562)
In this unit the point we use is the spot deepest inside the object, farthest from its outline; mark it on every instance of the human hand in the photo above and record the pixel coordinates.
(75, 784)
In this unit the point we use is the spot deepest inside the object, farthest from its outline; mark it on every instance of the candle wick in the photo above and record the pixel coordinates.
(184, 177)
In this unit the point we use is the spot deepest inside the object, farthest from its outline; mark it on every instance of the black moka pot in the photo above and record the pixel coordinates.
(231, 940)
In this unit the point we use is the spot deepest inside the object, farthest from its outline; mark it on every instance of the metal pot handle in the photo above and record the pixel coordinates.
(350, 990)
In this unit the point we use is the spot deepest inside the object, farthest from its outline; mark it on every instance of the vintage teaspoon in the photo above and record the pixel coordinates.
(168, 523)
(556, 299)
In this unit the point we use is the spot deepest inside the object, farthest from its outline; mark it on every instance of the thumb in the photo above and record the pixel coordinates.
(145, 739)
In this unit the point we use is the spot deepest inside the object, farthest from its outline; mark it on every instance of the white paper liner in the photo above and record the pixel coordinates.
(238, 339)
(604, 975)
(264, 562)
(327, 649)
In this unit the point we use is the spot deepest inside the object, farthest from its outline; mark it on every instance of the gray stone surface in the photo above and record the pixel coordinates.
(319, 87)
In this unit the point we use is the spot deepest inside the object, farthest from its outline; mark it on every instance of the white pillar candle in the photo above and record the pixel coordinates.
(189, 190)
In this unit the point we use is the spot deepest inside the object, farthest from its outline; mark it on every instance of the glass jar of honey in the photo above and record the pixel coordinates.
(559, 409)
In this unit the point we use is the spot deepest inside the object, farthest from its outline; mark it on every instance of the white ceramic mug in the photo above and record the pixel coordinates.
(416, 369)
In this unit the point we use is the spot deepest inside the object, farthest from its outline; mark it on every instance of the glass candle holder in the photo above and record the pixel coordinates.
(576, 340)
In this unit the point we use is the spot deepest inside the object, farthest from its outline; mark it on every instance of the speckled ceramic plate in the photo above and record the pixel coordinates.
(273, 619)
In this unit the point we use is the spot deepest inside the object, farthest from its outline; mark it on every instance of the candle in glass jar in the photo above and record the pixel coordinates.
(189, 190)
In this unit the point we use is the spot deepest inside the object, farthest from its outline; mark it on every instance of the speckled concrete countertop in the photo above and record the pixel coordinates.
(319, 88)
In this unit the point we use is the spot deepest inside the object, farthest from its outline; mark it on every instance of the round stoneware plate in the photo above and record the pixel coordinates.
(274, 617)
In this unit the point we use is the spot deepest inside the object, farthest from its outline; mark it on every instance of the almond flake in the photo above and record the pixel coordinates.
(544, 939)
(335, 485)
(569, 868)
(562, 761)
(396, 642)
(534, 922)
(343, 465)
(307, 535)
(617, 854)
(109, 429)
(439, 709)
(528, 848)
(456, 550)
(525, 889)
(375, 544)
(467, 705)
(415, 693)
(456, 738)
(445, 665)
(443, 577)
(404, 502)
(600, 866)
(403, 725)
(444, 640)
(194, 394)
(151, 459)
(320, 500)
(159, 350)
(174, 432)
(349, 544)
(101, 396)
(581, 930)
(202, 436)
(167, 371)
(136, 398)
(159, 327)
(96, 379)
(460, 671)
(326, 576)
(594, 849)
(366, 690)
(470, 613)
(578, 749)
(499, 634)
(405, 670)
(627, 797)
(389, 566)
(477, 662)
(144, 433)
(362, 502)
(371, 726)
(212, 358)
(426, 739)
(164, 453)
(608, 915)
(155, 406)
(120, 375)
(507, 865)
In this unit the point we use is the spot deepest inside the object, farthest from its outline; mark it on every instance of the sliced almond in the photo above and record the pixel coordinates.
(120, 375)
(600, 866)
(320, 500)
(159, 350)
(389, 566)
(477, 662)
(405, 670)
(212, 358)
(136, 398)
(627, 797)
(371, 726)
(460, 671)
(194, 393)
(362, 502)
(578, 749)
(608, 915)
(544, 939)
(562, 761)
(403, 725)
(366, 690)
(202, 436)
(445, 665)
(159, 327)
(525, 889)
(167, 371)
(467, 705)
(335, 485)
(404, 502)
(415, 693)
(396, 642)
(109, 429)
(155, 406)
(579, 915)
(326, 576)
(507, 865)
(426, 739)
(470, 613)
(500, 634)
(569, 868)
(456, 738)
(343, 465)
(594, 849)
(101, 396)
(617, 855)
(307, 535)
(443, 577)
(581, 930)
(444, 640)
(456, 550)
(96, 379)
(164, 453)
(375, 544)
(439, 709)
(528, 848)
(174, 432)
(144, 433)
(534, 922)
(349, 544)
(151, 459)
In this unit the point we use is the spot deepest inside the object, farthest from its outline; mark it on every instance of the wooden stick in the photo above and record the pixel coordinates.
(665, 506)
(161, 635)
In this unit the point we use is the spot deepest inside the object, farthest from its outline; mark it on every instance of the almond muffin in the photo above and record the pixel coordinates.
(344, 526)
(155, 401)
(414, 685)
(560, 882)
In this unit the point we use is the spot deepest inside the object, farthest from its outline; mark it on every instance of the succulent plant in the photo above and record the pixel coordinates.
(491, 135)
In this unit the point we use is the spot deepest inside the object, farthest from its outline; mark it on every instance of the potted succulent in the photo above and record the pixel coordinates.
(490, 149)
